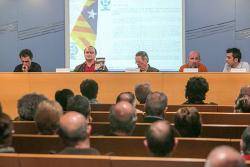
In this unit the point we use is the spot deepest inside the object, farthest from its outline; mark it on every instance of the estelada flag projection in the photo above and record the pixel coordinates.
(85, 28)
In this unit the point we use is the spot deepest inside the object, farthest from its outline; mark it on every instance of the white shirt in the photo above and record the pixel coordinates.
(245, 65)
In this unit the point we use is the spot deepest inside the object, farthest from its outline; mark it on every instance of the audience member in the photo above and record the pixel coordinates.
(47, 117)
(243, 104)
(62, 96)
(160, 139)
(90, 62)
(27, 65)
(122, 119)
(27, 106)
(75, 132)
(79, 104)
(196, 90)
(224, 156)
(245, 143)
(89, 89)
(126, 96)
(188, 122)
(155, 107)
(233, 60)
(194, 61)
(141, 59)
(244, 91)
(6, 130)
(142, 91)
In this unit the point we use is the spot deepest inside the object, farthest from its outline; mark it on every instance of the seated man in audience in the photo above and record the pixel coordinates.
(47, 117)
(233, 60)
(160, 139)
(243, 104)
(90, 62)
(62, 96)
(75, 132)
(27, 106)
(89, 89)
(155, 107)
(196, 90)
(6, 131)
(244, 91)
(128, 97)
(27, 65)
(245, 143)
(81, 105)
(194, 61)
(224, 156)
(188, 122)
(142, 91)
(141, 59)
(122, 118)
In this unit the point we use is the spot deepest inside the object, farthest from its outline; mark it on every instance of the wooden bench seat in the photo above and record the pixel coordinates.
(207, 117)
(119, 146)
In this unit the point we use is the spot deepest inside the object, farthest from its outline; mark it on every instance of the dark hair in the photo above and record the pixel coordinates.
(79, 104)
(118, 125)
(156, 104)
(47, 117)
(246, 140)
(196, 90)
(141, 92)
(188, 122)
(6, 128)
(142, 54)
(236, 53)
(161, 141)
(91, 47)
(244, 91)
(243, 104)
(25, 53)
(89, 88)
(62, 97)
(126, 96)
(27, 105)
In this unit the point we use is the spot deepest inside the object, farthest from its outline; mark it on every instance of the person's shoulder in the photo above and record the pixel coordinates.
(35, 67)
(18, 68)
(79, 68)
(202, 68)
(152, 69)
(182, 67)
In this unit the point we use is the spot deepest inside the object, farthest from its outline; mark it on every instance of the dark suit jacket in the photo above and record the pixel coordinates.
(151, 119)
(75, 151)
(34, 67)
(152, 69)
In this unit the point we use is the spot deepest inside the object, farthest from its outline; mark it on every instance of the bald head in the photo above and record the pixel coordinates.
(126, 96)
(122, 117)
(224, 156)
(73, 128)
(194, 59)
(160, 138)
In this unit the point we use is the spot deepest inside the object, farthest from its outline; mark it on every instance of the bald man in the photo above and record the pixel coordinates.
(122, 118)
(160, 139)
(75, 131)
(194, 62)
(224, 156)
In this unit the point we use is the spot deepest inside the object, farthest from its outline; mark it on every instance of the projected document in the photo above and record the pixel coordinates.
(120, 28)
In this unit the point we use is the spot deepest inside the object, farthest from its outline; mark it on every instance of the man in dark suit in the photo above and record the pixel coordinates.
(141, 59)
(27, 65)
